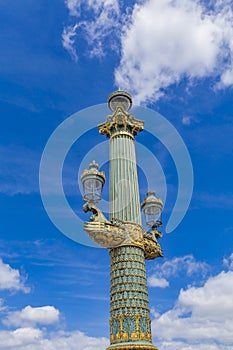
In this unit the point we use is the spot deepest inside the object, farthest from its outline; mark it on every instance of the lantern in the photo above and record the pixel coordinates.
(93, 181)
(120, 99)
(152, 208)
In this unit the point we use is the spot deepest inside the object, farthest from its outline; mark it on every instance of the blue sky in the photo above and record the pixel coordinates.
(174, 57)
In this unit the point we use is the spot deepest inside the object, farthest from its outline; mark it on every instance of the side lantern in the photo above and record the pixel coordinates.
(152, 208)
(93, 181)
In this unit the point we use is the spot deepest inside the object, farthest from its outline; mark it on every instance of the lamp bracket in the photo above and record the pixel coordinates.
(116, 233)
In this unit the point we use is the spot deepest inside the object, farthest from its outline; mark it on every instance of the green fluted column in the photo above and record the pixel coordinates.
(130, 324)
(124, 194)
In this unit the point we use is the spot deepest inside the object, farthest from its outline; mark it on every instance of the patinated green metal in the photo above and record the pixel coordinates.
(129, 244)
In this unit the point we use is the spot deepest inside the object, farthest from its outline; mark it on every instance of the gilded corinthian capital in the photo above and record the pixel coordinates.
(121, 121)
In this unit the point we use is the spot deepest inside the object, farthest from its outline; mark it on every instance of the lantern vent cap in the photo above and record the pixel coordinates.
(93, 170)
(151, 198)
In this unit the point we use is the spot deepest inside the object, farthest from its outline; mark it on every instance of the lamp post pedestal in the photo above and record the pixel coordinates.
(130, 315)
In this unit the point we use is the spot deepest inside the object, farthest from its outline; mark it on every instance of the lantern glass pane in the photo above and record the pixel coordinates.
(119, 101)
(92, 189)
(152, 214)
(150, 221)
(153, 210)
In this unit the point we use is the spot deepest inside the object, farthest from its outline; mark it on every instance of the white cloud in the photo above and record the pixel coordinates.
(201, 318)
(68, 39)
(167, 40)
(73, 6)
(226, 78)
(186, 120)
(229, 262)
(30, 316)
(157, 282)
(175, 345)
(162, 41)
(101, 26)
(20, 338)
(35, 339)
(2, 306)
(99, 7)
(10, 279)
(171, 268)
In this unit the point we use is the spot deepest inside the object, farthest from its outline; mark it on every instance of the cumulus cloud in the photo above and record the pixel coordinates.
(98, 29)
(187, 265)
(35, 339)
(202, 317)
(157, 282)
(11, 279)
(167, 40)
(30, 316)
(21, 338)
(160, 42)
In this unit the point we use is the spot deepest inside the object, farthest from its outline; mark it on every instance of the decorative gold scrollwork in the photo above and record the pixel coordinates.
(131, 346)
(116, 233)
(109, 234)
(123, 120)
(152, 248)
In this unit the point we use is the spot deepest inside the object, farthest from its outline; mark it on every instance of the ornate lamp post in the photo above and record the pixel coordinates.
(128, 243)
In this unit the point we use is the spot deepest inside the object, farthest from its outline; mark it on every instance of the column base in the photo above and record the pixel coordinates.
(132, 346)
